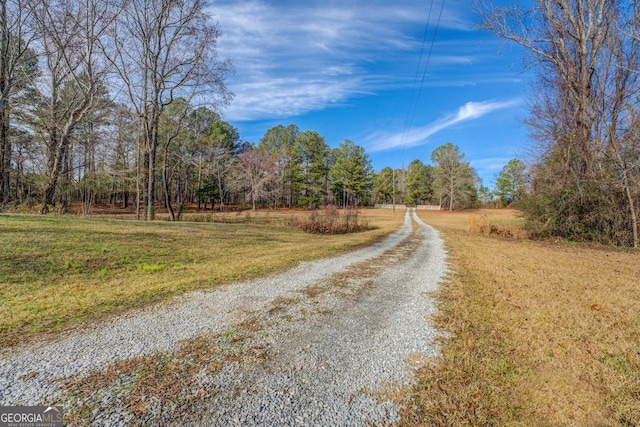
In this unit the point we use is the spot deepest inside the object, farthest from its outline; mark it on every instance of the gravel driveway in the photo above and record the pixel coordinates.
(325, 343)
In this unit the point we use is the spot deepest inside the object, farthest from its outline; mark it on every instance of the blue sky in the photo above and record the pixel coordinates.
(353, 69)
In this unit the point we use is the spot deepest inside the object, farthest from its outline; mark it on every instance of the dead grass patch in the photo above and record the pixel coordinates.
(280, 305)
(314, 291)
(541, 334)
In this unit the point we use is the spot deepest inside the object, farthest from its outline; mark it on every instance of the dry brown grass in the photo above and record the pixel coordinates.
(543, 333)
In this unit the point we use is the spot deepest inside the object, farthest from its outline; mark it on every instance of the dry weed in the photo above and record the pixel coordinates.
(331, 221)
(484, 225)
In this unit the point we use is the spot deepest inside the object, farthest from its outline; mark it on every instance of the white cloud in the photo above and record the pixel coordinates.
(381, 141)
(287, 97)
(293, 57)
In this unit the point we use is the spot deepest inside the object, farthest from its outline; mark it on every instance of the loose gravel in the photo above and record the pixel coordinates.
(335, 339)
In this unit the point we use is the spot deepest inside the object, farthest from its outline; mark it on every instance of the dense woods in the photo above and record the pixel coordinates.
(94, 95)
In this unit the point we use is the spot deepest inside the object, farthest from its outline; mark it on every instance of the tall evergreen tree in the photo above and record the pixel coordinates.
(310, 169)
(511, 182)
(279, 142)
(420, 183)
(351, 173)
(384, 186)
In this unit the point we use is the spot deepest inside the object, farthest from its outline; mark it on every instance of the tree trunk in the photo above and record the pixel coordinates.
(451, 189)
(634, 217)
(150, 213)
(5, 155)
(198, 195)
(165, 183)
(5, 86)
(57, 148)
(253, 197)
(20, 191)
(220, 190)
(89, 171)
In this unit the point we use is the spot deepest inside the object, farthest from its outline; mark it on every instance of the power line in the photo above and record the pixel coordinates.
(415, 79)
(411, 112)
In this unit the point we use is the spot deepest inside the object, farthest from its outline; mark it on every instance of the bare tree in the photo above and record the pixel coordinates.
(455, 179)
(254, 170)
(70, 84)
(586, 55)
(17, 69)
(164, 49)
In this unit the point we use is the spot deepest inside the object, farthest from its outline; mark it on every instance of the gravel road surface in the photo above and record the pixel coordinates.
(325, 343)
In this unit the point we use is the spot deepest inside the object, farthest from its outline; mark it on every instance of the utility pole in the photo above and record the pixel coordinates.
(393, 191)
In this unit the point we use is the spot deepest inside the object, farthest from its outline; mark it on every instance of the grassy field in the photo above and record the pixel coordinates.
(541, 333)
(58, 272)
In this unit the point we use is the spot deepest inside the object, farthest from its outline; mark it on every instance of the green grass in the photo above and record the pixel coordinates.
(56, 272)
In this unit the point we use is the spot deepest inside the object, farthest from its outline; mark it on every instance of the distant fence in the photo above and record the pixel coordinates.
(390, 206)
(428, 207)
(419, 207)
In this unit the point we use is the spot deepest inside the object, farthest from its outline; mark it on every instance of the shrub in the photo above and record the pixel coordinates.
(331, 221)
(482, 225)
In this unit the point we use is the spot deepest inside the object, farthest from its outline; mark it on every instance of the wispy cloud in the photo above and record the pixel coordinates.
(288, 97)
(489, 167)
(293, 57)
(381, 141)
